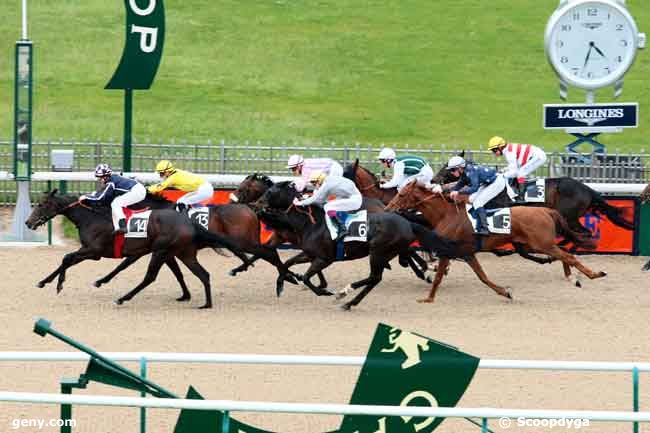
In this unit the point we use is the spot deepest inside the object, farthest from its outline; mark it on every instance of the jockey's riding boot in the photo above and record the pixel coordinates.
(481, 222)
(121, 223)
(181, 207)
(521, 193)
(340, 228)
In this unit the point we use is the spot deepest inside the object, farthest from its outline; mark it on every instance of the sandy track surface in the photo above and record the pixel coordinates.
(606, 320)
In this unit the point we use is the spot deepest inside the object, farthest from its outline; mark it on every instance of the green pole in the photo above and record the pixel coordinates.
(128, 122)
(49, 223)
(484, 425)
(143, 410)
(635, 396)
(225, 422)
(66, 410)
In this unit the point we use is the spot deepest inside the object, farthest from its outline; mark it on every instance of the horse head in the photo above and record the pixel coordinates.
(350, 170)
(48, 206)
(412, 196)
(645, 195)
(278, 196)
(251, 188)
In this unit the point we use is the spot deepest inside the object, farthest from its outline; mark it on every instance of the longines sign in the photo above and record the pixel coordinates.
(593, 116)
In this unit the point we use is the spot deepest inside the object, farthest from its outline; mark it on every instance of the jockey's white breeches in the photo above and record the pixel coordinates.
(135, 195)
(344, 204)
(536, 160)
(424, 177)
(203, 192)
(486, 193)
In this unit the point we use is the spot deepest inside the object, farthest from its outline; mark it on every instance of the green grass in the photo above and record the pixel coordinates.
(373, 71)
(69, 229)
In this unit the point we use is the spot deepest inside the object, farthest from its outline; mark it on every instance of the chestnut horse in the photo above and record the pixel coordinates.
(534, 228)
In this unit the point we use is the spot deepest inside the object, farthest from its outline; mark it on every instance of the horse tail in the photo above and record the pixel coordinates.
(615, 214)
(431, 241)
(215, 241)
(582, 240)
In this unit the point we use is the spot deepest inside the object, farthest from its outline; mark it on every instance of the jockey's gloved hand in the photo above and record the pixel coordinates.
(82, 197)
(435, 188)
(297, 202)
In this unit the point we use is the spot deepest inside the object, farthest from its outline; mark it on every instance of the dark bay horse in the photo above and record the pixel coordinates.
(388, 234)
(236, 221)
(255, 185)
(534, 228)
(170, 235)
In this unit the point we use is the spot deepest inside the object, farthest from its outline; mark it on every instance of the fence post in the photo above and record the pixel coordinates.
(143, 410)
(49, 223)
(222, 157)
(225, 422)
(635, 396)
(484, 425)
(66, 409)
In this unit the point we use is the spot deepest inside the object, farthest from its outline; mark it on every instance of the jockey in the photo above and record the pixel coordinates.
(481, 183)
(304, 167)
(522, 160)
(405, 169)
(348, 197)
(197, 188)
(119, 191)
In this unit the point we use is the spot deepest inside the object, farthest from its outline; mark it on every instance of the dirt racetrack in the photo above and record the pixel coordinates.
(606, 320)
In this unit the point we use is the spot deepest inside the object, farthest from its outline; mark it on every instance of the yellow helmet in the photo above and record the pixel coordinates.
(164, 166)
(496, 142)
(317, 176)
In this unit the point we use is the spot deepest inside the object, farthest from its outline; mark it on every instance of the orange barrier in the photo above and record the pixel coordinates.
(610, 237)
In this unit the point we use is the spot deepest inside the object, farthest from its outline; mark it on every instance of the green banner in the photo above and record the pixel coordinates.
(406, 369)
(145, 37)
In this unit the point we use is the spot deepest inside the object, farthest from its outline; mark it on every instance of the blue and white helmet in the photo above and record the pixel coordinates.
(103, 170)
(455, 162)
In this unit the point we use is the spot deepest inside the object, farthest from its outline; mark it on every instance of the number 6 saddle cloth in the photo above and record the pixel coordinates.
(355, 222)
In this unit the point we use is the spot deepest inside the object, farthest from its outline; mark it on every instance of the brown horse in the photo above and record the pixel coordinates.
(533, 228)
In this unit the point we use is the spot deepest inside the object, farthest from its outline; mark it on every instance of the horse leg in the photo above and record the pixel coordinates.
(571, 260)
(443, 263)
(304, 258)
(158, 258)
(193, 265)
(176, 270)
(122, 266)
(316, 266)
(377, 264)
(480, 273)
(244, 266)
(418, 265)
(646, 267)
(69, 259)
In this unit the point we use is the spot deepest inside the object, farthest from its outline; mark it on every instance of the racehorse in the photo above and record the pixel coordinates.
(388, 235)
(256, 184)
(534, 228)
(169, 235)
(238, 222)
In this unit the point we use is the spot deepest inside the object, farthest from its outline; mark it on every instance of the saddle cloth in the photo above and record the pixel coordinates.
(535, 191)
(200, 215)
(136, 223)
(118, 240)
(498, 219)
(355, 222)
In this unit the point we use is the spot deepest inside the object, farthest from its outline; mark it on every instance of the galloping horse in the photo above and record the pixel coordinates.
(169, 235)
(238, 222)
(255, 185)
(388, 234)
(534, 228)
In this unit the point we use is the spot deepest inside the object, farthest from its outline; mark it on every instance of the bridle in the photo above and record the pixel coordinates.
(298, 209)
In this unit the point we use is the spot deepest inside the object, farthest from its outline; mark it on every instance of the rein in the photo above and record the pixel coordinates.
(76, 203)
(308, 212)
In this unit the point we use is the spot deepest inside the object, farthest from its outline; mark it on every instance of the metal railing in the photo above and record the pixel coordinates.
(222, 157)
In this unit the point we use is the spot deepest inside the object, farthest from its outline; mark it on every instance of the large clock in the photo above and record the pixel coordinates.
(592, 43)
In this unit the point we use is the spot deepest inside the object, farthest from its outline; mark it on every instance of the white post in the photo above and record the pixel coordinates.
(24, 20)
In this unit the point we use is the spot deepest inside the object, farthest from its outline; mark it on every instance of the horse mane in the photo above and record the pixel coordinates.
(261, 178)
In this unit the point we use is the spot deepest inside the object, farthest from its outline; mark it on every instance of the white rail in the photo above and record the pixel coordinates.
(235, 358)
(321, 408)
(148, 177)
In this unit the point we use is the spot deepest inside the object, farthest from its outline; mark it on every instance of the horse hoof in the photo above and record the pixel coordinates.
(40, 284)
(291, 279)
(426, 301)
(58, 289)
(340, 295)
(346, 307)
(278, 291)
(119, 301)
(325, 292)
(231, 273)
(578, 283)
(97, 284)
(183, 298)
(205, 307)
(509, 295)
(603, 273)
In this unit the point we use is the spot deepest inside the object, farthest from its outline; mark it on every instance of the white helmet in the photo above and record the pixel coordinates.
(455, 162)
(386, 154)
(295, 161)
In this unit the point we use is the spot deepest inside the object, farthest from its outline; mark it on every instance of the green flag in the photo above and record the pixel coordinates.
(406, 369)
(145, 36)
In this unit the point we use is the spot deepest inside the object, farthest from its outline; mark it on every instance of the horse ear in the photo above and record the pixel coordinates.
(54, 191)
(356, 162)
(462, 154)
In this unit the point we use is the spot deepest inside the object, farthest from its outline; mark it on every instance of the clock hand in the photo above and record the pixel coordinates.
(598, 51)
(588, 53)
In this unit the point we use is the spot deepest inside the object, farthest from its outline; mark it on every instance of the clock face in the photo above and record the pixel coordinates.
(591, 43)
